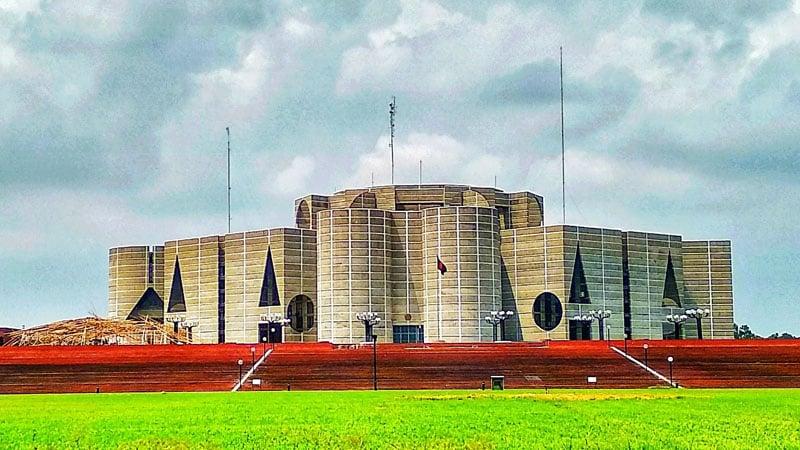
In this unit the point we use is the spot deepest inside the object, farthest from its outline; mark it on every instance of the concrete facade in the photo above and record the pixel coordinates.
(136, 282)
(376, 250)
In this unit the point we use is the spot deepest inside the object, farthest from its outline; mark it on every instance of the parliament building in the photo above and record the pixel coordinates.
(377, 249)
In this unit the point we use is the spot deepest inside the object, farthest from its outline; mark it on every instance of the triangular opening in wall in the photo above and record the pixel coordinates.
(269, 287)
(149, 306)
(578, 291)
(177, 303)
(671, 285)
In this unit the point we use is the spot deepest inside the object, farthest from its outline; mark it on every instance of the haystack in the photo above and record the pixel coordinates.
(95, 331)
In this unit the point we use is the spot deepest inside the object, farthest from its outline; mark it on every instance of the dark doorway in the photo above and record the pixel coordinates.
(580, 330)
(270, 333)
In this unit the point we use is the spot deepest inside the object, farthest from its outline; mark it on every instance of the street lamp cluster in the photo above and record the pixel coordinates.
(694, 313)
(496, 318)
(600, 314)
(179, 322)
(370, 319)
(698, 314)
(273, 320)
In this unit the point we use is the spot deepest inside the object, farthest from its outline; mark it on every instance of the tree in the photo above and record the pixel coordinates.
(744, 332)
(781, 336)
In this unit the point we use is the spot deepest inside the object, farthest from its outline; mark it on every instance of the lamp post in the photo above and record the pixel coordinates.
(698, 314)
(272, 321)
(601, 315)
(625, 340)
(176, 320)
(188, 325)
(670, 360)
(264, 344)
(370, 319)
(496, 318)
(252, 356)
(645, 354)
(678, 320)
(374, 362)
(586, 318)
(241, 363)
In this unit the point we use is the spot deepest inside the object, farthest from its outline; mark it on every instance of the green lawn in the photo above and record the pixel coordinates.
(656, 418)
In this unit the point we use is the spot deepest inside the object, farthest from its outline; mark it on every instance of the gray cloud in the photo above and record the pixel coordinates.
(593, 103)
(92, 97)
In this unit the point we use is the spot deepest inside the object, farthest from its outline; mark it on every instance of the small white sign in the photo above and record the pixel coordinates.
(591, 379)
(256, 382)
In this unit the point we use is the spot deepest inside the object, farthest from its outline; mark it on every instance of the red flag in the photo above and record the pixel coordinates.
(440, 266)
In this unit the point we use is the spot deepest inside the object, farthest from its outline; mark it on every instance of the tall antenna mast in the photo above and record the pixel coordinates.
(228, 131)
(563, 188)
(392, 112)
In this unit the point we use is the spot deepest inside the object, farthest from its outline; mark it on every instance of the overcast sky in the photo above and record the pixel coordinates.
(681, 117)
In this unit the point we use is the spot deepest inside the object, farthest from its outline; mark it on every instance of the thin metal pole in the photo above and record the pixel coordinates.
(700, 327)
(392, 110)
(563, 188)
(375, 362)
(228, 131)
(420, 173)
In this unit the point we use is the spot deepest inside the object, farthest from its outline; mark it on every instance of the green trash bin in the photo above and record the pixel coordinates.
(498, 382)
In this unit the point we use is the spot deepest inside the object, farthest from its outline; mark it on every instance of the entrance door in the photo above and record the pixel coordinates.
(270, 335)
(580, 330)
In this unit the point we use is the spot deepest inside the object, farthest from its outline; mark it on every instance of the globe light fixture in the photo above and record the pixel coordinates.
(698, 314)
(496, 318)
(670, 360)
(601, 315)
(273, 320)
(677, 320)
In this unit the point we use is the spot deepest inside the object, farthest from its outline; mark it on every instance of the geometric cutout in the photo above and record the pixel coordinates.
(578, 291)
(177, 303)
(149, 306)
(547, 311)
(269, 286)
(671, 286)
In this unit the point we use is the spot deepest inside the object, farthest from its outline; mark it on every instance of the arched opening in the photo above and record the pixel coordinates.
(365, 200)
(473, 198)
(302, 217)
(547, 311)
(301, 313)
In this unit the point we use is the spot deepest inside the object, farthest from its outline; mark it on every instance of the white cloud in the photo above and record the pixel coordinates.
(444, 159)
(281, 179)
(430, 49)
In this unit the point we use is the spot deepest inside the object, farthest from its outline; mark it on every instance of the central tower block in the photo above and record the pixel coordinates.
(467, 240)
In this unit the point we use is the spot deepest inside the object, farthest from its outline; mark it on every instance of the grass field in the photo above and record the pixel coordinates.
(406, 419)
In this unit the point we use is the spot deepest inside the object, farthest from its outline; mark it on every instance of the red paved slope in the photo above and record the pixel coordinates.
(730, 363)
(449, 366)
(133, 368)
(764, 363)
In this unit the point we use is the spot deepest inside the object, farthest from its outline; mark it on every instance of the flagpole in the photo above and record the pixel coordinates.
(438, 298)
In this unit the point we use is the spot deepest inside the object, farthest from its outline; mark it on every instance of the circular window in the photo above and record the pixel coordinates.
(300, 313)
(547, 311)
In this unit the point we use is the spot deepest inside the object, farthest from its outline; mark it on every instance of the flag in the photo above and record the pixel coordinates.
(440, 266)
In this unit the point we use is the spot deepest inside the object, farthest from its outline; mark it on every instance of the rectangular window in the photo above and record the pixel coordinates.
(150, 268)
(405, 334)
